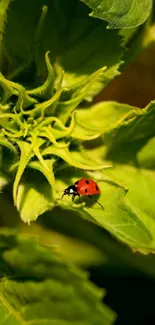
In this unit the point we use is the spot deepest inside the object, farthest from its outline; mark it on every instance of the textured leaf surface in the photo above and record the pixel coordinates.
(140, 200)
(140, 180)
(39, 288)
(44, 127)
(132, 153)
(117, 216)
(121, 13)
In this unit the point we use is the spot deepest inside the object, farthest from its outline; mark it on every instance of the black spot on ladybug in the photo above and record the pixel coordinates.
(86, 190)
(76, 183)
(87, 182)
(96, 187)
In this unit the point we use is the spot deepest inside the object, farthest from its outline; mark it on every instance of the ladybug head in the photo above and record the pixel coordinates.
(66, 191)
(71, 190)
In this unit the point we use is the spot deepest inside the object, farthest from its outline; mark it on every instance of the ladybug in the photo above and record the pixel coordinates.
(83, 186)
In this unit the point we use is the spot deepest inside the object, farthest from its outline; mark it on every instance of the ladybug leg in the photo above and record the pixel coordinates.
(79, 196)
(62, 196)
(96, 201)
(74, 195)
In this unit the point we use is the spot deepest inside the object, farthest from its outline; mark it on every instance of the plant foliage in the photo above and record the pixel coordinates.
(39, 287)
(55, 58)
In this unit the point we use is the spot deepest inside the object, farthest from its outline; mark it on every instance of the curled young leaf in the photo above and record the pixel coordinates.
(46, 89)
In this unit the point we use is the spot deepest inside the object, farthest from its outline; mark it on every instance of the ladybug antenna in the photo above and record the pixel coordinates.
(62, 195)
(96, 201)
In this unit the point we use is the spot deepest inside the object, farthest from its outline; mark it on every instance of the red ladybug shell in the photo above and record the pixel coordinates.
(86, 186)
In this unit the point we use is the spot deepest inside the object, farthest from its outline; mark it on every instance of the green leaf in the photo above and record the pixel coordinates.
(77, 93)
(46, 90)
(74, 158)
(35, 196)
(117, 216)
(138, 126)
(43, 286)
(134, 166)
(8, 155)
(146, 154)
(26, 155)
(76, 250)
(102, 118)
(4, 5)
(121, 13)
(140, 201)
(11, 88)
(78, 44)
(27, 152)
(4, 142)
(46, 168)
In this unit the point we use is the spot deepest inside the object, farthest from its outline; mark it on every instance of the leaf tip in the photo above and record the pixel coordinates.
(45, 9)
